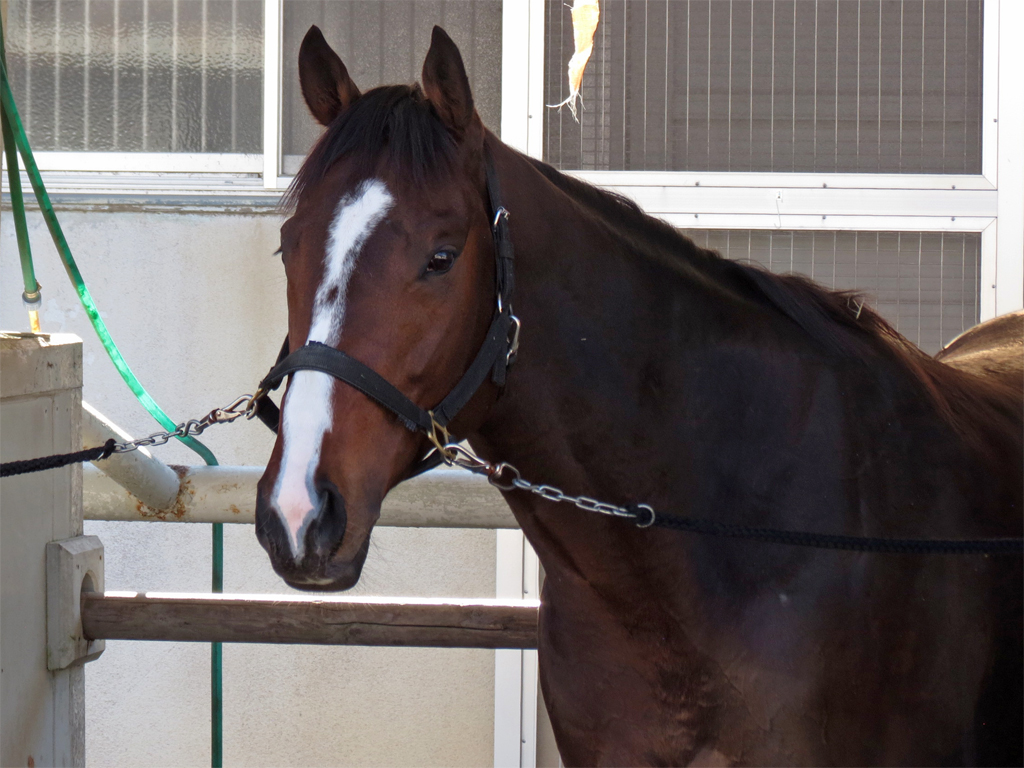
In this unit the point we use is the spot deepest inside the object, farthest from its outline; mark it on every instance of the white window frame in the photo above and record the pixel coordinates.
(517, 571)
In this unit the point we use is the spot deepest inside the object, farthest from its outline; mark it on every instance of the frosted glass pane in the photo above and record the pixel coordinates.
(138, 75)
(924, 283)
(771, 86)
(383, 43)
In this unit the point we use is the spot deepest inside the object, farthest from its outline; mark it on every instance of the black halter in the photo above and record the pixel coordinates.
(496, 354)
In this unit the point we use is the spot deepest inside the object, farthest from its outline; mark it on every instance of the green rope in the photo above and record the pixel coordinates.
(12, 124)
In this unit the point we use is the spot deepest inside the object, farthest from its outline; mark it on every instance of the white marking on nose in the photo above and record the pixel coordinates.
(307, 413)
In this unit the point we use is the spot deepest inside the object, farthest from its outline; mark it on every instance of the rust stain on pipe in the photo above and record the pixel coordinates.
(178, 508)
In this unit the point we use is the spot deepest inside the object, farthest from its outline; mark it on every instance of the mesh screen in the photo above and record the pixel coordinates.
(886, 86)
(924, 283)
(138, 75)
(383, 43)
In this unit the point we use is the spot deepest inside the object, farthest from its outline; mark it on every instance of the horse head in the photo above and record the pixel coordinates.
(389, 258)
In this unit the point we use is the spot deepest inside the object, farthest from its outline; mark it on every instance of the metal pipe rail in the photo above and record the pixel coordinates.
(138, 486)
(153, 482)
(297, 619)
(442, 498)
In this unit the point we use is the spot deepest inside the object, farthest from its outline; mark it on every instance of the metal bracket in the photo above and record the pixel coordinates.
(73, 566)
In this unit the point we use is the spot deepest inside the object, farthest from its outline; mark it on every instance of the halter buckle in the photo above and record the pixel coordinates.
(441, 438)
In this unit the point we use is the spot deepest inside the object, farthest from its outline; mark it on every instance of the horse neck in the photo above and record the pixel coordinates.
(598, 317)
(647, 375)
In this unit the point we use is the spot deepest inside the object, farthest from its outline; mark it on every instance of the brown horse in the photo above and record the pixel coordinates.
(651, 370)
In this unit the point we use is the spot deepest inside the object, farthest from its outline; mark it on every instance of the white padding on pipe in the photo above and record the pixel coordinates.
(442, 498)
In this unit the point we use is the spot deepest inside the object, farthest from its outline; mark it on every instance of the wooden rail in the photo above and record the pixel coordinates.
(206, 618)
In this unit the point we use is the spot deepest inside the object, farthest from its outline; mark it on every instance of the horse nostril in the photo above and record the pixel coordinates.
(270, 530)
(328, 528)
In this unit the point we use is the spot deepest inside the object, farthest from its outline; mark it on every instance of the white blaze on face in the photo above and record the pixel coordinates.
(307, 412)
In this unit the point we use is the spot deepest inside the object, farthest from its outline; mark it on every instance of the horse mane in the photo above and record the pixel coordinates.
(839, 321)
(393, 127)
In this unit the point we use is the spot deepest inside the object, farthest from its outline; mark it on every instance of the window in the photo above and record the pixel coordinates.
(156, 76)
(925, 283)
(179, 86)
(383, 43)
(780, 86)
(761, 115)
(874, 127)
(175, 77)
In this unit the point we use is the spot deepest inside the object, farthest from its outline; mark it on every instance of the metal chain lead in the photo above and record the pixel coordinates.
(505, 477)
(551, 493)
(239, 408)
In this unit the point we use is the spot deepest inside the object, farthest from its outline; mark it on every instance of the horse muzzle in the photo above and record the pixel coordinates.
(325, 554)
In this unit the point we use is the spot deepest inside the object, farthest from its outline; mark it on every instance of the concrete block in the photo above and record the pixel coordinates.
(72, 566)
(34, 364)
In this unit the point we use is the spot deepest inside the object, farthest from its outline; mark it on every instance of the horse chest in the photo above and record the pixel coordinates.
(638, 691)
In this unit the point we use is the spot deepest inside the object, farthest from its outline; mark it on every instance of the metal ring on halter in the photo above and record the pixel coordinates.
(650, 512)
(501, 213)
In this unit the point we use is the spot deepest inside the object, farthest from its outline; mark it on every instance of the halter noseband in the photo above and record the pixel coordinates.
(496, 354)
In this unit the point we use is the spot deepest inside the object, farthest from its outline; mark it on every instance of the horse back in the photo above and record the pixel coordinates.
(984, 386)
(994, 350)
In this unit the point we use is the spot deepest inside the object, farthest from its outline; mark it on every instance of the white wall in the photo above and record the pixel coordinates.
(196, 303)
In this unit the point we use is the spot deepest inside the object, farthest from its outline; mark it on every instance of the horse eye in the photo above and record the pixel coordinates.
(441, 261)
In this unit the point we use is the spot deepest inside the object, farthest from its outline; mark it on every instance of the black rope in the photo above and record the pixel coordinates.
(645, 518)
(25, 466)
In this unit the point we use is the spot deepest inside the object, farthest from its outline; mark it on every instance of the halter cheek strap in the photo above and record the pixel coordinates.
(496, 354)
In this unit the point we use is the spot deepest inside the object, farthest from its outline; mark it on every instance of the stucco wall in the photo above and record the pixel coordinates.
(196, 303)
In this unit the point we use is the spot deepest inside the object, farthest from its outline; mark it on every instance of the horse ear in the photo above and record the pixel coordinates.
(326, 86)
(445, 83)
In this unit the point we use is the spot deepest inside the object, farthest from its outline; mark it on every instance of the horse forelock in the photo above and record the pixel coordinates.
(392, 130)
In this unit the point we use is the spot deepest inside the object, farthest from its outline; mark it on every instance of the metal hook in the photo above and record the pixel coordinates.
(513, 348)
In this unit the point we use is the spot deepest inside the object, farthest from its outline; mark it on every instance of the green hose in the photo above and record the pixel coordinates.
(28, 272)
(217, 660)
(12, 124)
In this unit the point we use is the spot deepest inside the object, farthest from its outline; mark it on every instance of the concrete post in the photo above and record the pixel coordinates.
(42, 717)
